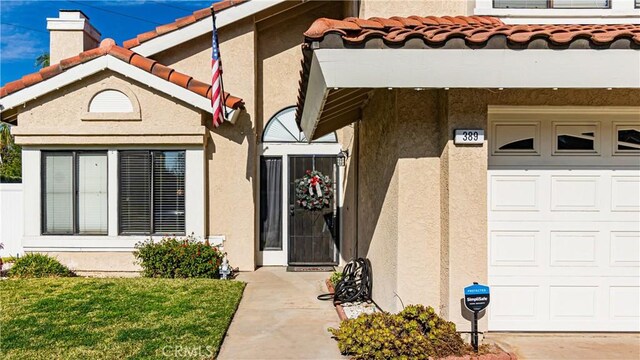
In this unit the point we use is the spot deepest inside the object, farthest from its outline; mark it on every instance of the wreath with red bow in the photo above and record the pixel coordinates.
(313, 191)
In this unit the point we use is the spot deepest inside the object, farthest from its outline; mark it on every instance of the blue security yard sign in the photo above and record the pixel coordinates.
(476, 297)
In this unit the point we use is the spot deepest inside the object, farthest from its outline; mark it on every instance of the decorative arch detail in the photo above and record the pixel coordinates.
(112, 102)
(282, 128)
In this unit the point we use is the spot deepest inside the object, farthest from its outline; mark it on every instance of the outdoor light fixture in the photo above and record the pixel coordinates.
(342, 158)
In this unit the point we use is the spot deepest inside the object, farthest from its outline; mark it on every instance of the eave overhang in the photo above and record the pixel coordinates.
(346, 75)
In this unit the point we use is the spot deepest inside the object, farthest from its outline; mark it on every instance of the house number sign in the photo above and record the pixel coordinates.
(468, 137)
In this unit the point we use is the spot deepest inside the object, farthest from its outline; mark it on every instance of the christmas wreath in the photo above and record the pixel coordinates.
(313, 191)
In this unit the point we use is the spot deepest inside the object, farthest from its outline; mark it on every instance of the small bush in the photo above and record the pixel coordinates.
(38, 266)
(414, 333)
(335, 278)
(178, 258)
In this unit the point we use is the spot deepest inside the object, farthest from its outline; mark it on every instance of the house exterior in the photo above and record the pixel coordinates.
(539, 196)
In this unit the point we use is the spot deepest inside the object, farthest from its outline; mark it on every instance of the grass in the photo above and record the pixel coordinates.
(83, 318)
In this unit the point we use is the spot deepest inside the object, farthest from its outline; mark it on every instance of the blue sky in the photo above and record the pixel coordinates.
(24, 35)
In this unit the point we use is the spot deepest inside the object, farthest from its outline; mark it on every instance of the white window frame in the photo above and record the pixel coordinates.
(596, 138)
(614, 140)
(548, 116)
(33, 240)
(536, 139)
(620, 12)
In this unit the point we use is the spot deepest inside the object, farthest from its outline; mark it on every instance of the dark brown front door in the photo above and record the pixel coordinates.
(313, 236)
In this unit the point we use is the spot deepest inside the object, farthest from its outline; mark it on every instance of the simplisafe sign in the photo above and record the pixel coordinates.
(476, 297)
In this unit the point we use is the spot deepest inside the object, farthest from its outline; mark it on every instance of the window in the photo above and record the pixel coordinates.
(152, 192)
(74, 192)
(627, 139)
(282, 128)
(576, 138)
(551, 4)
(514, 138)
(270, 203)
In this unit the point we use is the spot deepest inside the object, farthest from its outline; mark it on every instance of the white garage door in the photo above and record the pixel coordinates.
(564, 219)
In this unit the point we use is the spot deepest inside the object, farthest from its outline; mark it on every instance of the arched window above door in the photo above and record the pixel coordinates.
(282, 128)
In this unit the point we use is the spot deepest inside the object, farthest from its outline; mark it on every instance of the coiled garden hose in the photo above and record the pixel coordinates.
(355, 284)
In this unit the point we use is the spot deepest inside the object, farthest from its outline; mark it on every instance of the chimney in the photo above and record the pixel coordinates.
(70, 34)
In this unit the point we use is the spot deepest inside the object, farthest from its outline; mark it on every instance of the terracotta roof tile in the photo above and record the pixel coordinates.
(179, 79)
(475, 30)
(181, 22)
(199, 87)
(142, 62)
(162, 71)
(108, 47)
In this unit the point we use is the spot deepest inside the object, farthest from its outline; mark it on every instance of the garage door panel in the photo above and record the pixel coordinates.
(514, 248)
(514, 193)
(575, 193)
(625, 249)
(625, 193)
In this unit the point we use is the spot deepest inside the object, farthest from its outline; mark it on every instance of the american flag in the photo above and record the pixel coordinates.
(217, 98)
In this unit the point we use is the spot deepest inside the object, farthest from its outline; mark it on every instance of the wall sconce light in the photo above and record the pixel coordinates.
(342, 157)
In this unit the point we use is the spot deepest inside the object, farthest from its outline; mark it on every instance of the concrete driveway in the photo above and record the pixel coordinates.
(280, 318)
(574, 346)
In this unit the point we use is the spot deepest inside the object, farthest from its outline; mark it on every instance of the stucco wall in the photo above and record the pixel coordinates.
(389, 8)
(422, 201)
(261, 63)
(56, 118)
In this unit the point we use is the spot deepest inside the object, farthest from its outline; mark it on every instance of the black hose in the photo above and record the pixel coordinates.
(355, 284)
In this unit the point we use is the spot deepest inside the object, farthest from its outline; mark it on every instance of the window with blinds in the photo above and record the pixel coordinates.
(74, 193)
(552, 4)
(152, 192)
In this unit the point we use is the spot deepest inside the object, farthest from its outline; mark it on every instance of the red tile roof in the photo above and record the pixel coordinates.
(475, 30)
(108, 46)
(181, 22)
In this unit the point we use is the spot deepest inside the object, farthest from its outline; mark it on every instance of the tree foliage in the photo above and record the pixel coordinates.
(43, 60)
(10, 156)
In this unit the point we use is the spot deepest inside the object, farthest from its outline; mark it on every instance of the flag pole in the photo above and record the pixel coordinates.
(215, 33)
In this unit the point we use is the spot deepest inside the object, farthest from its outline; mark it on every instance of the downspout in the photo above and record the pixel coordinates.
(356, 157)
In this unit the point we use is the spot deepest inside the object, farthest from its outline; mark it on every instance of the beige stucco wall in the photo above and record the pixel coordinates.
(261, 63)
(101, 263)
(422, 201)
(56, 118)
(389, 8)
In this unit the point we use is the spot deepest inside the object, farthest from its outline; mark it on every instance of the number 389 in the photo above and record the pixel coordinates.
(470, 136)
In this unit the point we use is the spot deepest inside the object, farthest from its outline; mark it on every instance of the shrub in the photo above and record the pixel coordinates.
(414, 333)
(38, 266)
(335, 278)
(178, 258)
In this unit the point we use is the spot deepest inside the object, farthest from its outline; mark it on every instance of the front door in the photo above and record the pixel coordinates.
(313, 236)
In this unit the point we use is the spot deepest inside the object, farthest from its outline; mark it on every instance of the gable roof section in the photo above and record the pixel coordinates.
(199, 23)
(130, 64)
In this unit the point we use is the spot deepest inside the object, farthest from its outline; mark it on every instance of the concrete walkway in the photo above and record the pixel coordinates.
(280, 318)
(569, 346)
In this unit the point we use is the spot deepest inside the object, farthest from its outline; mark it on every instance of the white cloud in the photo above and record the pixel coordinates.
(18, 44)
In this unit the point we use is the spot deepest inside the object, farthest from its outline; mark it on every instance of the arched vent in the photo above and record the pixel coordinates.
(110, 101)
(282, 128)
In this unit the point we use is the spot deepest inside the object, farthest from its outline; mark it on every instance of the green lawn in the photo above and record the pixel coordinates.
(82, 318)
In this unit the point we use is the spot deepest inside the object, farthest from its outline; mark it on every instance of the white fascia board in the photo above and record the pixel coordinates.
(65, 78)
(464, 68)
(203, 26)
(490, 68)
(317, 92)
